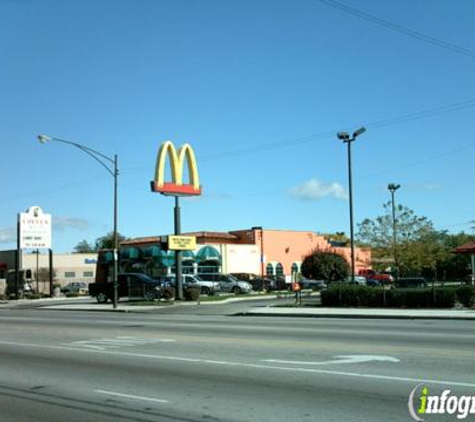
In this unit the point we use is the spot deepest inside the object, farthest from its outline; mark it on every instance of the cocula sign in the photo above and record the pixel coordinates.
(35, 229)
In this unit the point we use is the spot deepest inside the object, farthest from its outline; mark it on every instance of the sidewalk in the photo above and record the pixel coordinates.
(81, 304)
(378, 313)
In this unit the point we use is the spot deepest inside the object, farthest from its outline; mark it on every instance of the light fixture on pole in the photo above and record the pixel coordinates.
(345, 137)
(111, 166)
(393, 187)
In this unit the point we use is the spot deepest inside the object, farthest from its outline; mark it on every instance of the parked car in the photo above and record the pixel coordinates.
(75, 287)
(369, 274)
(257, 282)
(280, 283)
(307, 283)
(227, 282)
(129, 284)
(263, 284)
(192, 280)
(359, 280)
(411, 282)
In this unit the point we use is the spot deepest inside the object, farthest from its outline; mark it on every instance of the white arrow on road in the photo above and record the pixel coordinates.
(339, 360)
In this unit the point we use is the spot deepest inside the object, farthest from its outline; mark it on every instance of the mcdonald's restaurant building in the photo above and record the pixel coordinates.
(238, 251)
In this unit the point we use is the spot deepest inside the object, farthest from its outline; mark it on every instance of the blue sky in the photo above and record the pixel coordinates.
(259, 88)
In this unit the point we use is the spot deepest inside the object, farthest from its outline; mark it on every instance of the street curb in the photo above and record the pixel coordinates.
(357, 316)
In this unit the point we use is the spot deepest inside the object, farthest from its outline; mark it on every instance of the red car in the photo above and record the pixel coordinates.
(371, 274)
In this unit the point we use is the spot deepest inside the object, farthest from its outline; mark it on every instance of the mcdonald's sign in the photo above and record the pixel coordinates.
(177, 161)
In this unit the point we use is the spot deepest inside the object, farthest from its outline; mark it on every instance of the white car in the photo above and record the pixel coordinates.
(192, 280)
(227, 282)
(359, 280)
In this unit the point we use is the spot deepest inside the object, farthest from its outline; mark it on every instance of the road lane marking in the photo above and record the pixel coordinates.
(128, 396)
(120, 341)
(339, 359)
(245, 365)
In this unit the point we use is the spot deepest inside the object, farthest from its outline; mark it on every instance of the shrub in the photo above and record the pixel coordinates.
(168, 293)
(397, 298)
(466, 295)
(444, 297)
(191, 293)
(329, 266)
(35, 296)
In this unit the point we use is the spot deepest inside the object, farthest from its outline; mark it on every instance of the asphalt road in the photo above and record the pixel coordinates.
(186, 366)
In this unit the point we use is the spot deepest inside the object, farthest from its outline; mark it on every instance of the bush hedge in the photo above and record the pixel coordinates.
(466, 295)
(191, 293)
(395, 298)
(168, 293)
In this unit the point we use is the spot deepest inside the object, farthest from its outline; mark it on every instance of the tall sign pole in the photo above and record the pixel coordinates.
(178, 253)
(176, 188)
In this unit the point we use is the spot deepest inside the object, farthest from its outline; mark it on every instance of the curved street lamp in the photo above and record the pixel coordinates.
(110, 164)
(345, 137)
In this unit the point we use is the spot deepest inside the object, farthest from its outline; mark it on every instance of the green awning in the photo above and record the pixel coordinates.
(160, 256)
(106, 257)
(208, 253)
(130, 253)
(187, 256)
(152, 252)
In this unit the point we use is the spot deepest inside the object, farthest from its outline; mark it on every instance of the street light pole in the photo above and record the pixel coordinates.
(393, 188)
(345, 137)
(111, 166)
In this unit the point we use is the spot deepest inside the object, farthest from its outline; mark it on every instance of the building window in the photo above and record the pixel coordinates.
(269, 269)
(88, 274)
(69, 274)
(279, 270)
(295, 268)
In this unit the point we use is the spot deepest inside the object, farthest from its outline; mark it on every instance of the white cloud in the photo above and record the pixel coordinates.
(62, 223)
(314, 190)
(7, 234)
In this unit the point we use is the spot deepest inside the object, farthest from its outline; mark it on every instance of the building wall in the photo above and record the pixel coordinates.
(241, 259)
(288, 247)
(68, 267)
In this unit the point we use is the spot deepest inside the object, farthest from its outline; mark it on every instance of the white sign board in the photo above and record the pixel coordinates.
(35, 229)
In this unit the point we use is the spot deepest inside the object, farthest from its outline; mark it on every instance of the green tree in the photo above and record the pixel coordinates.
(324, 265)
(107, 241)
(103, 242)
(453, 266)
(84, 247)
(419, 247)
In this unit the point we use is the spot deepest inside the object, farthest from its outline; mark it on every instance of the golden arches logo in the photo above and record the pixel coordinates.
(177, 160)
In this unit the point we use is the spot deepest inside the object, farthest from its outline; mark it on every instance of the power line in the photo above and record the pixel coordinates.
(327, 135)
(399, 28)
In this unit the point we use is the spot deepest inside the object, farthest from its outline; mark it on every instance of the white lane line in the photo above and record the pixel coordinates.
(128, 396)
(247, 365)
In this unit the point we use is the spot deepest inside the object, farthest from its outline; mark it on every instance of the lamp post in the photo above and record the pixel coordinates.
(111, 166)
(345, 137)
(393, 188)
(261, 229)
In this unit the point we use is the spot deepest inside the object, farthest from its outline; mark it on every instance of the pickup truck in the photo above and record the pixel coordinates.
(128, 285)
(380, 278)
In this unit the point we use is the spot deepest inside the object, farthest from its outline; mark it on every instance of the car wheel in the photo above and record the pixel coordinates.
(236, 290)
(149, 296)
(101, 298)
(205, 290)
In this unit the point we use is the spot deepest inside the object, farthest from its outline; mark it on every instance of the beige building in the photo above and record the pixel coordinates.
(66, 267)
